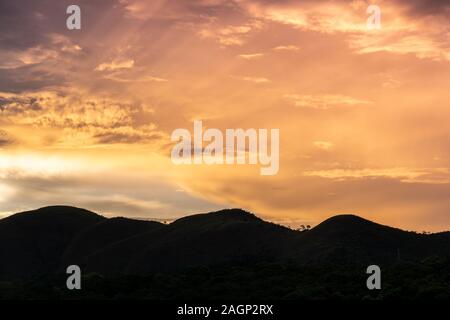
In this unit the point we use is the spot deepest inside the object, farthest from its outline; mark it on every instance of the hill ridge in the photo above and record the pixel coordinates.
(50, 238)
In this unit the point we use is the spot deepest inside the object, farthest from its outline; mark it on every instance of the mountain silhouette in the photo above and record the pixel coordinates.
(33, 242)
(349, 238)
(47, 240)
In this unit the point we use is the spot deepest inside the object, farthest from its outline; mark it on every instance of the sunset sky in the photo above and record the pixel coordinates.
(364, 115)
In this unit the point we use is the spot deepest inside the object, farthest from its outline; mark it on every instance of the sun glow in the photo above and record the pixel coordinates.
(36, 165)
(5, 193)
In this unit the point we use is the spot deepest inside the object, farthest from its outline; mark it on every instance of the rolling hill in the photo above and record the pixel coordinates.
(46, 240)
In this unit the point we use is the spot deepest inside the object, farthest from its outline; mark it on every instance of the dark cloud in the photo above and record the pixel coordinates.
(426, 7)
(36, 48)
(5, 139)
(12, 105)
(25, 23)
(28, 78)
(21, 24)
(132, 137)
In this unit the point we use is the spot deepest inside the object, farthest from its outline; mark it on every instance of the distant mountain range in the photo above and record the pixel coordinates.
(47, 240)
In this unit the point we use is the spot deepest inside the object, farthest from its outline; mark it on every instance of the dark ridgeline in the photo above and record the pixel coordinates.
(218, 248)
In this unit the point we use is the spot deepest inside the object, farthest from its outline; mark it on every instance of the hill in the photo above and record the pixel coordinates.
(352, 239)
(33, 242)
(46, 240)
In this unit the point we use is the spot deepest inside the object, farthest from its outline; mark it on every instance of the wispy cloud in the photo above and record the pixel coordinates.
(324, 101)
(257, 80)
(421, 46)
(423, 35)
(409, 175)
(251, 56)
(286, 48)
(231, 35)
(119, 77)
(115, 65)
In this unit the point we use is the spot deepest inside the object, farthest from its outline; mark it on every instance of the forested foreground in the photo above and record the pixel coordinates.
(427, 280)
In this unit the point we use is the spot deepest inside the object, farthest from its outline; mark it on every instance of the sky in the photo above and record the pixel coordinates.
(86, 115)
